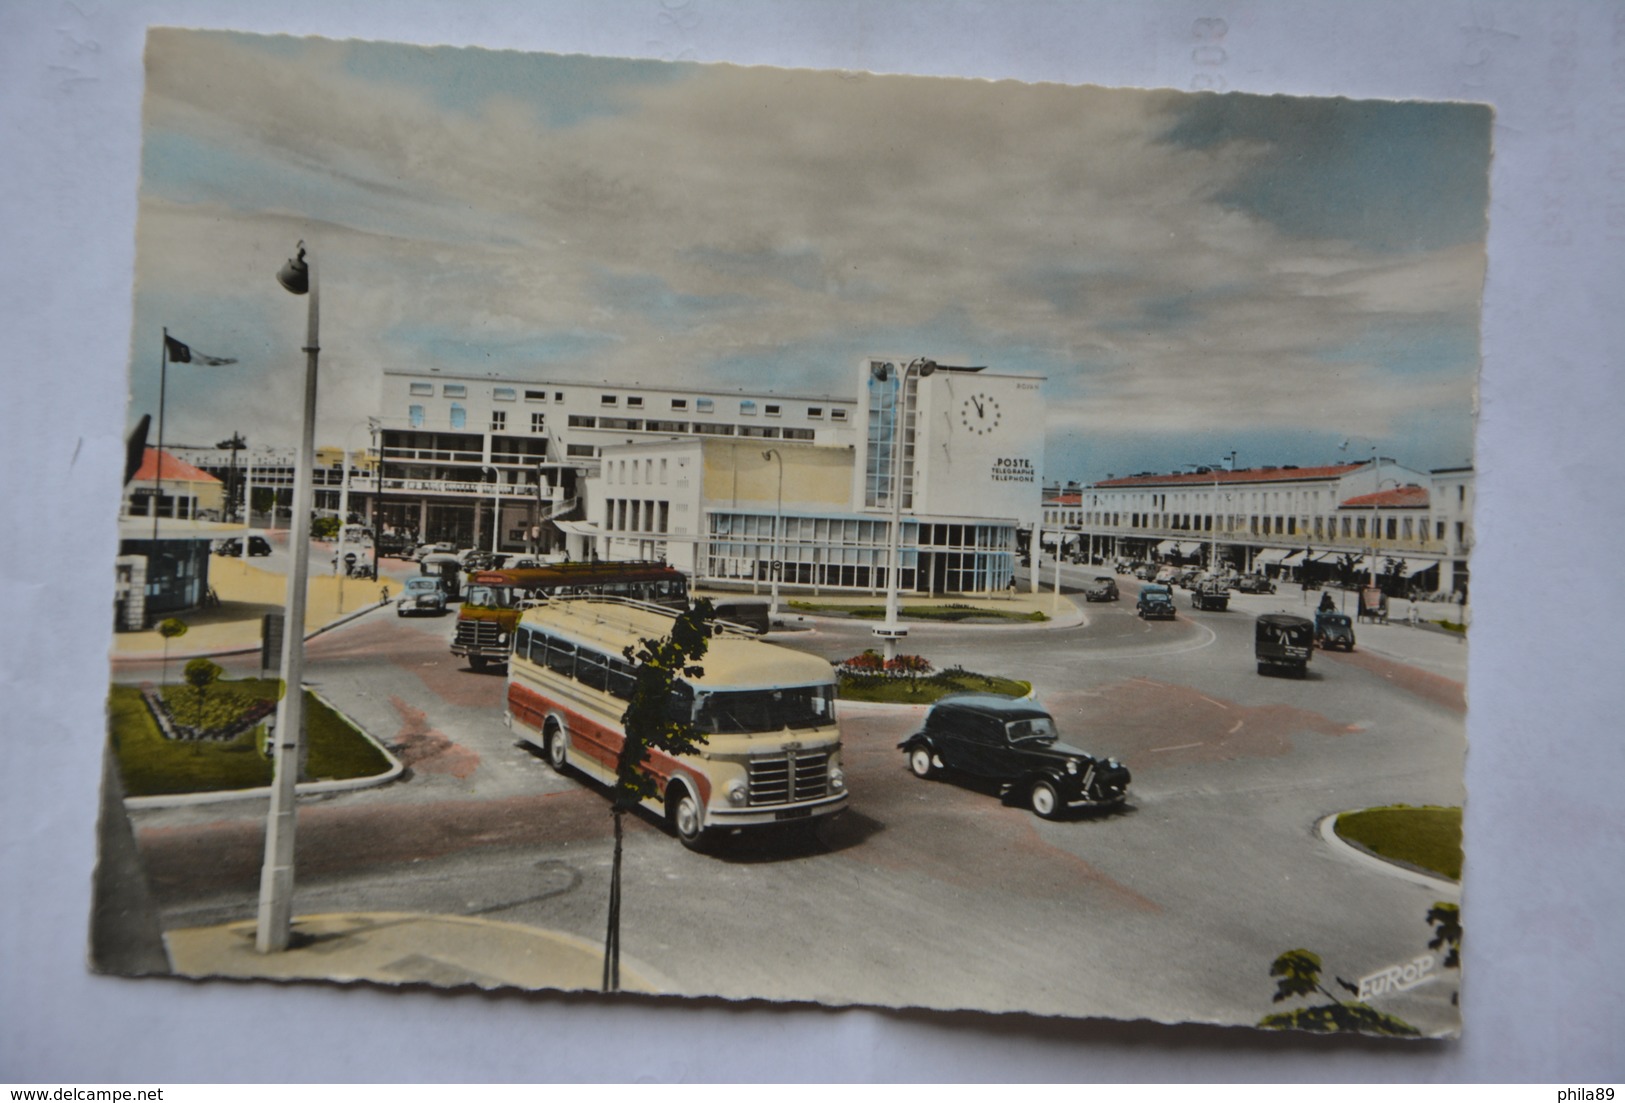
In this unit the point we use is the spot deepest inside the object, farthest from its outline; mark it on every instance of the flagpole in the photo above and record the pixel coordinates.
(158, 455)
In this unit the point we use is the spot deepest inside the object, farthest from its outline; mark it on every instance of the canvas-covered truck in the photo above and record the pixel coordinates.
(1284, 642)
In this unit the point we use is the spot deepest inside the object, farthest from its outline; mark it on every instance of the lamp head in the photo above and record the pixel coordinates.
(295, 275)
(926, 366)
(880, 372)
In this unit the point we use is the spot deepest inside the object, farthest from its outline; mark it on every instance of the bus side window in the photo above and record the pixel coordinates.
(622, 679)
(536, 652)
(521, 642)
(561, 658)
(592, 669)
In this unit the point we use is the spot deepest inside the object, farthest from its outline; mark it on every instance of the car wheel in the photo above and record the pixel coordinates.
(557, 751)
(919, 761)
(1263, 668)
(1044, 800)
(400, 612)
(684, 813)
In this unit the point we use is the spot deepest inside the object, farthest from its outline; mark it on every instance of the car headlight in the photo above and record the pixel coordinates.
(837, 780)
(1071, 765)
(738, 792)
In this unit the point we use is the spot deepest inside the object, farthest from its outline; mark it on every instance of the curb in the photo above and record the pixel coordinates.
(302, 789)
(1327, 829)
(537, 958)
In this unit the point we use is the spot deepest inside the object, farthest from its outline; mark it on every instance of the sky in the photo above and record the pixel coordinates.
(1294, 280)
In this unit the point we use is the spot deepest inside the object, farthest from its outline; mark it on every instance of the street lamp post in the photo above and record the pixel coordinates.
(1213, 538)
(890, 632)
(275, 922)
(777, 566)
(496, 506)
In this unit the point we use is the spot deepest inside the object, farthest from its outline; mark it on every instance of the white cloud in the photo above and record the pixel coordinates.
(1042, 217)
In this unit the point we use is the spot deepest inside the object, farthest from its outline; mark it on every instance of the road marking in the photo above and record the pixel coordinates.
(1181, 747)
(1211, 701)
(1235, 729)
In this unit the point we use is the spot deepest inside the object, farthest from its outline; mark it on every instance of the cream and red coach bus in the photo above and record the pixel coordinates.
(773, 749)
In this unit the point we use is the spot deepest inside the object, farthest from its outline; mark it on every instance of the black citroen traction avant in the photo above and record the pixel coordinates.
(1013, 742)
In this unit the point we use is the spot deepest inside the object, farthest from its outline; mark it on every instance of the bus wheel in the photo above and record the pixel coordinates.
(684, 813)
(557, 748)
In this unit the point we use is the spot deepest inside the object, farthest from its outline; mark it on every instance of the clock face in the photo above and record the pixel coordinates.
(980, 414)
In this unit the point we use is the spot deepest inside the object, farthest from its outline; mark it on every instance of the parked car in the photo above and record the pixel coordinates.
(233, 545)
(1103, 588)
(483, 561)
(1210, 593)
(1013, 742)
(1282, 641)
(422, 595)
(1255, 584)
(440, 548)
(1145, 572)
(397, 544)
(1334, 630)
(1155, 602)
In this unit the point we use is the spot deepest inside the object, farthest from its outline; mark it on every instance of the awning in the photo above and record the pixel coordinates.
(1268, 556)
(579, 528)
(1416, 566)
(1167, 547)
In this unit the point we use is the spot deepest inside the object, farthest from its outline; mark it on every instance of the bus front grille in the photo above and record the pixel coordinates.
(789, 777)
(477, 633)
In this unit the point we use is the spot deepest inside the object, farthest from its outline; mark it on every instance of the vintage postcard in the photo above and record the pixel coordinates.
(792, 535)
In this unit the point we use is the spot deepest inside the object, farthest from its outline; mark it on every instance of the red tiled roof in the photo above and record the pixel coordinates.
(1195, 478)
(1395, 497)
(1070, 498)
(156, 465)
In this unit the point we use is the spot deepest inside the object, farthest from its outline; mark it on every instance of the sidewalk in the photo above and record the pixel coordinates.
(248, 592)
(406, 948)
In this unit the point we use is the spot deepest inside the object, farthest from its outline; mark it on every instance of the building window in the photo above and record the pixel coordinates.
(499, 420)
(704, 405)
(798, 434)
(771, 410)
(815, 411)
(634, 402)
(423, 388)
(459, 416)
(837, 414)
(608, 400)
(503, 394)
(747, 408)
(578, 450)
(535, 396)
(538, 422)
(581, 421)
(679, 403)
(454, 390)
(414, 415)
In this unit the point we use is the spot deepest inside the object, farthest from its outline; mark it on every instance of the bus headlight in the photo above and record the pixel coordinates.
(502, 639)
(738, 792)
(837, 780)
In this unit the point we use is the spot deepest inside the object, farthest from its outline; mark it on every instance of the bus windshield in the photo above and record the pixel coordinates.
(490, 597)
(734, 712)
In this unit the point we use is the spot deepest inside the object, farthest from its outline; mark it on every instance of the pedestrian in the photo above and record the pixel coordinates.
(1327, 605)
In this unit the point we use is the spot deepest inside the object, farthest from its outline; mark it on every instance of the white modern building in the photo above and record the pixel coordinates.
(1364, 518)
(722, 483)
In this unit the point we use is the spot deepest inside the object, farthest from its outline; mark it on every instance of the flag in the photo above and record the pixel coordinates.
(181, 353)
